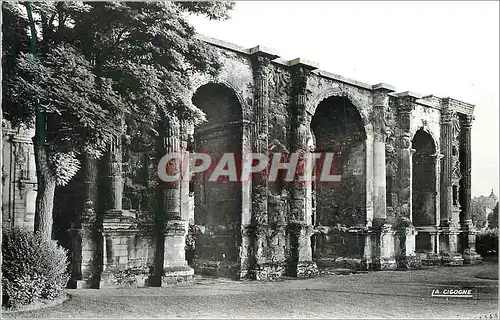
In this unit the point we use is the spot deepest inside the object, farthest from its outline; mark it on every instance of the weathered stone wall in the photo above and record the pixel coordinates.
(18, 178)
(428, 119)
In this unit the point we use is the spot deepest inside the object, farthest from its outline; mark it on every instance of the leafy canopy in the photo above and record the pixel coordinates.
(101, 63)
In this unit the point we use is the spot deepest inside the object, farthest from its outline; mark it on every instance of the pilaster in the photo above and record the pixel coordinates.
(447, 166)
(299, 231)
(404, 151)
(261, 63)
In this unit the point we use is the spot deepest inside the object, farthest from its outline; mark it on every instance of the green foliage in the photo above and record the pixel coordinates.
(493, 218)
(487, 242)
(66, 165)
(101, 63)
(33, 268)
(213, 9)
(478, 214)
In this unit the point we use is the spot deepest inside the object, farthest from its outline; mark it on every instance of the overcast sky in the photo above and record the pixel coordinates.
(441, 48)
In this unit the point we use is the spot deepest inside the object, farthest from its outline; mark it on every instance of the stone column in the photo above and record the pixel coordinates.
(380, 105)
(466, 166)
(115, 175)
(261, 63)
(369, 235)
(186, 147)
(385, 258)
(437, 202)
(446, 168)
(115, 224)
(405, 152)
(186, 195)
(449, 227)
(436, 158)
(84, 233)
(175, 267)
(470, 255)
(300, 260)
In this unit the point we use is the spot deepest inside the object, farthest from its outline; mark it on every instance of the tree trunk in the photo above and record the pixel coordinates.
(46, 190)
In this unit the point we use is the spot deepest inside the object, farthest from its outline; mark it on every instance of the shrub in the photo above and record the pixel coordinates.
(33, 268)
(487, 242)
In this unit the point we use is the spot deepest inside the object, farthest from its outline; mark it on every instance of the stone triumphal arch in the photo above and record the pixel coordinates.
(403, 198)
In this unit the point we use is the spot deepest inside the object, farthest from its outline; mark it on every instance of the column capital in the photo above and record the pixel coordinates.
(301, 69)
(467, 121)
(406, 101)
(447, 116)
(381, 95)
(261, 61)
(170, 127)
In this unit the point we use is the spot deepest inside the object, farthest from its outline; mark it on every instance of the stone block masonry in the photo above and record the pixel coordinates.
(403, 198)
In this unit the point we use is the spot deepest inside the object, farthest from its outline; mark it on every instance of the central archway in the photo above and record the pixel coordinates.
(337, 127)
(217, 204)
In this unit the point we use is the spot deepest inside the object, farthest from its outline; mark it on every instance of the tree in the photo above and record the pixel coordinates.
(98, 64)
(478, 214)
(493, 218)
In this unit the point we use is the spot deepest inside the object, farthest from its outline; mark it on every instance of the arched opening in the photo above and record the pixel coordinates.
(217, 204)
(337, 128)
(423, 188)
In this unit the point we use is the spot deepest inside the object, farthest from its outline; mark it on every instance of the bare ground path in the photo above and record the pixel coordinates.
(368, 295)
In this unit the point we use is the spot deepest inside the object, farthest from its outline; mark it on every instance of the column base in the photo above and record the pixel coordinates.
(117, 278)
(430, 259)
(307, 269)
(177, 276)
(471, 257)
(222, 269)
(382, 264)
(343, 262)
(386, 259)
(267, 272)
(113, 282)
(84, 260)
(452, 259)
(409, 263)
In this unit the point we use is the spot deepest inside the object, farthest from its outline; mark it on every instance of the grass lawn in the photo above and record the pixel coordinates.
(368, 295)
